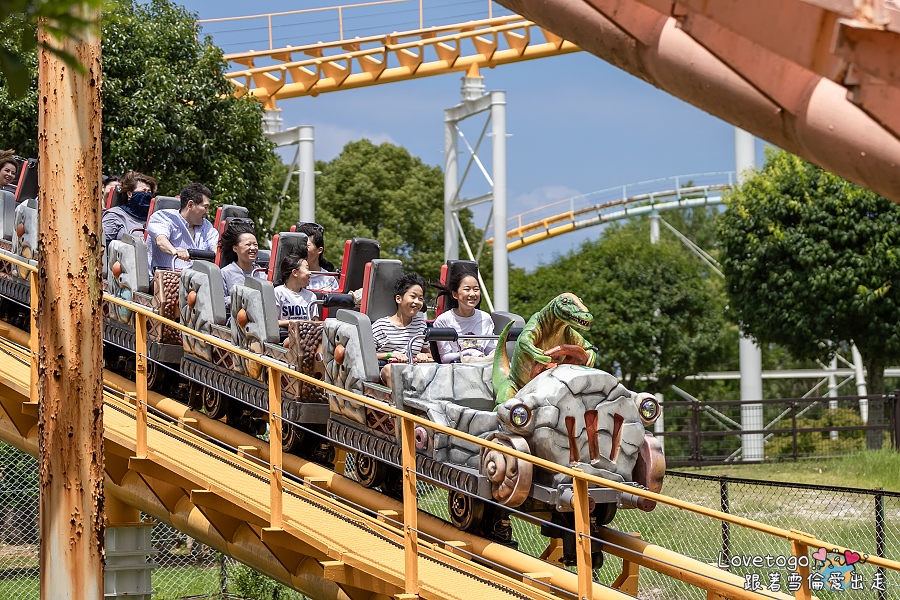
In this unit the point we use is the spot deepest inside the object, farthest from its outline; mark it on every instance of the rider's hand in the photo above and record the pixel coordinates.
(183, 254)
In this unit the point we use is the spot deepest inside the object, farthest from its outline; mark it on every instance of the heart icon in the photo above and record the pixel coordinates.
(851, 557)
(821, 554)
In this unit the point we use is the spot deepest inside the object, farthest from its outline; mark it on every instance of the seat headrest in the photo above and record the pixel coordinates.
(284, 244)
(357, 252)
(378, 291)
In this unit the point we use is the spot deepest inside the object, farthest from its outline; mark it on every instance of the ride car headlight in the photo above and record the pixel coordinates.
(520, 415)
(649, 409)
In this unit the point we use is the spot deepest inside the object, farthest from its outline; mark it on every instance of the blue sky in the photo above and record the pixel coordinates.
(577, 124)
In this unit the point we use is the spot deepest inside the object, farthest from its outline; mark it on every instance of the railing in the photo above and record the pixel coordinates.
(613, 203)
(709, 433)
(633, 552)
(339, 9)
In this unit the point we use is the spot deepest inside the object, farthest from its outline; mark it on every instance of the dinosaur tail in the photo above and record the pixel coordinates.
(501, 360)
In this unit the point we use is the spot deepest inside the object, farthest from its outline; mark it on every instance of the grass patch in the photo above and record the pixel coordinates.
(178, 582)
(21, 588)
(868, 469)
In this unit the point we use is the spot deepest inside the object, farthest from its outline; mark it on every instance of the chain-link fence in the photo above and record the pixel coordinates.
(867, 521)
(707, 433)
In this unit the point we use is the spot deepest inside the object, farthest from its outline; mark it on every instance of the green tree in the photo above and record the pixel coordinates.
(18, 35)
(811, 263)
(384, 193)
(656, 311)
(168, 110)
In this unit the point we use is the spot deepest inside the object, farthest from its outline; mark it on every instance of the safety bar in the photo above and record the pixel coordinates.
(448, 334)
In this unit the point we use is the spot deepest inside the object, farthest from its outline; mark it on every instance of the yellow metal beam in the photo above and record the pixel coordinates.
(361, 62)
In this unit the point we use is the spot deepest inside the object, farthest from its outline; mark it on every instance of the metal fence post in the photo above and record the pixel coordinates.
(140, 384)
(726, 526)
(695, 433)
(275, 459)
(895, 430)
(582, 538)
(410, 507)
(794, 429)
(879, 534)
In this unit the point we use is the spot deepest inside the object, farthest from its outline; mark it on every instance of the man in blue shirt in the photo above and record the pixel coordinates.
(170, 232)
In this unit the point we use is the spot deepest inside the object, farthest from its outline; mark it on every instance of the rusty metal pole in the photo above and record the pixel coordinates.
(70, 427)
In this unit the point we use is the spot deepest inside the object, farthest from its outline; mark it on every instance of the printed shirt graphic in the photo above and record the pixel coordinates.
(293, 306)
(478, 324)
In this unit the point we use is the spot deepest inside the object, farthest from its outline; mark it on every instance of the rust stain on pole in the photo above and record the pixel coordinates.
(69, 320)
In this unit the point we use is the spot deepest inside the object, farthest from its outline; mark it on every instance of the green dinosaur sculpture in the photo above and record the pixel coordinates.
(549, 329)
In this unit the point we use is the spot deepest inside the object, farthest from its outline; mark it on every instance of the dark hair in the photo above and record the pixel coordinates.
(291, 262)
(316, 233)
(105, 179)
(453, 286)
(406, 281)
(230, 238)
(10, 160)
(132, 178)
(193, 192)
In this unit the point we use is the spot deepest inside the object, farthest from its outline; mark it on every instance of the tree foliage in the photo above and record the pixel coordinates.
(18, 35)
(811, 263)
(384, 193)
(656, 311)
(168, 110)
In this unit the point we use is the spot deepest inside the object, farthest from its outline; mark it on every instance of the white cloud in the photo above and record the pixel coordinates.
(331, 139)
(541, 196)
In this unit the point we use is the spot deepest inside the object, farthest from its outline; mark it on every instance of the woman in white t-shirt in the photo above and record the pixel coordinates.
(466, 319)
(292, 299)
(315, 247)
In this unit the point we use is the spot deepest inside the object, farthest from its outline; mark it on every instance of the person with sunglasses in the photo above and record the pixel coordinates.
(315, 246)
(138, 190)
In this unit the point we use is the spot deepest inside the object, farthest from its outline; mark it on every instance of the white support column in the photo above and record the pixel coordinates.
(498, 166)
(451, 187)
(861, 387)
(307, 174)
(832, 391)
(751, 355)
(654, 227)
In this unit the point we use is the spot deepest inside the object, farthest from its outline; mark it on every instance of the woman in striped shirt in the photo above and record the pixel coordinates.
(392, 334)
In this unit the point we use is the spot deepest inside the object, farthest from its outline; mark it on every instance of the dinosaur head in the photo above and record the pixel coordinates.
(568, 308)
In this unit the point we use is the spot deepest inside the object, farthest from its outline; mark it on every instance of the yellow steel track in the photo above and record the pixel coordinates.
(360, 62)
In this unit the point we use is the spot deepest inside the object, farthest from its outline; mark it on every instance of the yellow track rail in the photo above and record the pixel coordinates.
(360, 62)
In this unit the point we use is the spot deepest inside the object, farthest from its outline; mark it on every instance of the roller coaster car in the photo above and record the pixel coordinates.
(127, 278)
(19, 227)
(231, 386)
(570, 415)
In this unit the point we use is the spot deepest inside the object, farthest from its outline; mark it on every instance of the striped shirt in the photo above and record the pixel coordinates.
(390, 338)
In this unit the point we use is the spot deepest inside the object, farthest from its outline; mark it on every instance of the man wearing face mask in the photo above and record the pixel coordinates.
(137, 189)
(171, 233)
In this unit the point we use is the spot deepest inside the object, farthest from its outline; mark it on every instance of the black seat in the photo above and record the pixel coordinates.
(27, 188)
(357, 253)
